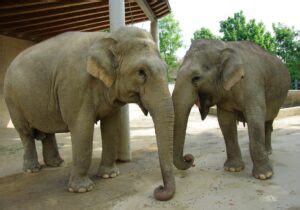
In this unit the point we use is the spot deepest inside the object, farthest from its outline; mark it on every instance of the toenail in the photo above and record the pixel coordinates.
(82, 190)
(105, 176)
(262, 176)
(113, 175)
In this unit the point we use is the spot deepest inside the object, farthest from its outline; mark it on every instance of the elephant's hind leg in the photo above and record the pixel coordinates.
(107, 168)
(268, 132)
(262, 168)
(227, 122)
(31, 163)
(30, 156)
(50, 151)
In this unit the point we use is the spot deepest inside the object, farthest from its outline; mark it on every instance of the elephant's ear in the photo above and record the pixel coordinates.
(231, 67)
(101, 61)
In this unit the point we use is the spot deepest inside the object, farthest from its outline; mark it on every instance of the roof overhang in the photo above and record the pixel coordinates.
(39, 20)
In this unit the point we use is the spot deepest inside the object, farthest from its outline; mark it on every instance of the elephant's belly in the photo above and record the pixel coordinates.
(49, 124)
(271, 113)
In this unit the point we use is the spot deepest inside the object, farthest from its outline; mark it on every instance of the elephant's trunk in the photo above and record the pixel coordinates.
(182, 107)
(162, 113)
(163, 117)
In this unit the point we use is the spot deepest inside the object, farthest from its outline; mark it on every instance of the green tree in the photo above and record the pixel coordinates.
(285, 43)
(288, 48)
(170, 41)
(237, 28)
(203, 33)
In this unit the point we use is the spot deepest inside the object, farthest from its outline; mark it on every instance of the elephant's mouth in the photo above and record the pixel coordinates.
(142, 107)
(204, 103)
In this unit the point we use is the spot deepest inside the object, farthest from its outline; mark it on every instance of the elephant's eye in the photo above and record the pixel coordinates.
(142, 74)
(196, 79)
(206, 67)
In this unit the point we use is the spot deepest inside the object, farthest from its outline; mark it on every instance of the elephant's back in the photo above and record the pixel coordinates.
(267, 73)
(263, 65)
(39, 66)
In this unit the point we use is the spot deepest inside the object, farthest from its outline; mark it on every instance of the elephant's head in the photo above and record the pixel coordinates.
(129, 64)
(208, 72)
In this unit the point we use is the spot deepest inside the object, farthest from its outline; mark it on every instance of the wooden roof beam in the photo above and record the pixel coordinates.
(66, 21)
(146, 9)
(12, 4)
(91, 28)
(7, 4)
(43, 9)
(6, 22)
(48, 10)
(65, 25)
(77, 27)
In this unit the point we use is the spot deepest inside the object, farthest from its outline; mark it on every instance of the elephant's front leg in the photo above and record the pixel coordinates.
(227, 122)
(262, 168)
(109, 134)
(82, 145)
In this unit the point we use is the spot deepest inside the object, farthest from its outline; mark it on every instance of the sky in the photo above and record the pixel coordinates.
(194, 14)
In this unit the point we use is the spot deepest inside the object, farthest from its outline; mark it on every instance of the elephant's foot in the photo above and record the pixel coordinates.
(262, 171)
(269, 150)
(80, 184)
(31, 166)
(55, 161)
(108, 172)
(234, 165)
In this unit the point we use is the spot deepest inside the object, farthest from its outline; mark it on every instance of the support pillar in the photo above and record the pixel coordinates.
(117, 20)
(154, 31)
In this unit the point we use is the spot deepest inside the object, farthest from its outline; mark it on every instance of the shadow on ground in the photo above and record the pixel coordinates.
(205, 186)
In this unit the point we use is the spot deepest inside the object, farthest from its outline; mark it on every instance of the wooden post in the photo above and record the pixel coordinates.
(154, 31)
(117, 20)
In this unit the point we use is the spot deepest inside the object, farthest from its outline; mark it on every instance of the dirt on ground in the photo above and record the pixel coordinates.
(205, 186)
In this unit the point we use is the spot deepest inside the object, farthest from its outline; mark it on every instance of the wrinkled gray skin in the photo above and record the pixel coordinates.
(246, 83)
(69, 82)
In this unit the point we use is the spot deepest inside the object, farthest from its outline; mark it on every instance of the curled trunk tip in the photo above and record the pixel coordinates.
(185, 162)
(164, 193)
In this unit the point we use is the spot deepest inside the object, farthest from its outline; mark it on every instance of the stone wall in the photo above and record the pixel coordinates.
(293, 98)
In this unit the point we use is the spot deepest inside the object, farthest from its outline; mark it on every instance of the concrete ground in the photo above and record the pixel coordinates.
(206, 186)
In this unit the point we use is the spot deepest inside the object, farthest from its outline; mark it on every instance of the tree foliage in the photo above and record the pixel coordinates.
(237, 28)
(285, 42)
(203, 33)
(170, 40)
(288, 47)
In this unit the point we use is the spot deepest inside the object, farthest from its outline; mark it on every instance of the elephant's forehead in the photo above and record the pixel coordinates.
(187, 68)
(138, 46)
(202, 56)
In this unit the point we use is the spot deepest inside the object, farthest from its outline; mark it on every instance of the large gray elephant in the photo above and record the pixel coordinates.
(71, 81)
(246, 83)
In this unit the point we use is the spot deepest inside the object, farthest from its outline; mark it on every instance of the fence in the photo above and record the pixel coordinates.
(295, 84)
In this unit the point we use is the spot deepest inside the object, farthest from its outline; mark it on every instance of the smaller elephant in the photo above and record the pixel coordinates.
(246, 83)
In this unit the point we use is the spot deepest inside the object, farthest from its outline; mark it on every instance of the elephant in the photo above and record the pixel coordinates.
(75, 79)
(246, 83)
